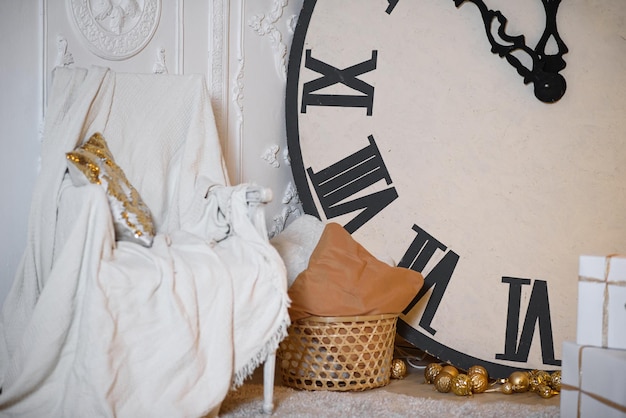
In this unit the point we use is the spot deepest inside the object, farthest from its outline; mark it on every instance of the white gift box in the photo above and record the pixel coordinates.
(602, 301)
(593, 382)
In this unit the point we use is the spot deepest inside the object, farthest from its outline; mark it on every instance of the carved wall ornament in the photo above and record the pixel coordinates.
(270, 156)
(159, 66)
(286, 157)
(291, 24)
(115, 29)
(292, 207)
(265, 25)
(64, 57)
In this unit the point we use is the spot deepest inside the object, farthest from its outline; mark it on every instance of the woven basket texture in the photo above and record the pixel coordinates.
(338, 353)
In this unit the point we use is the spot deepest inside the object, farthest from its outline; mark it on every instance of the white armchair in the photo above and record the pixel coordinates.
(96, 325)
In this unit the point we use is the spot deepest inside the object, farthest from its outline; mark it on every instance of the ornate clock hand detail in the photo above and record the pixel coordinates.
(549, 85)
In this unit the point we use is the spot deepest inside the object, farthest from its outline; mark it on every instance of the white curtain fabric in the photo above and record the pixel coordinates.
(94, 327)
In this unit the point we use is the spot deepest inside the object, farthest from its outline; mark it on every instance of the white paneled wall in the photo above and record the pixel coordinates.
(241, 47)
(19, 126)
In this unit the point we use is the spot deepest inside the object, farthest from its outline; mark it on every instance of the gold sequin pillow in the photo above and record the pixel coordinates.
(92, 162)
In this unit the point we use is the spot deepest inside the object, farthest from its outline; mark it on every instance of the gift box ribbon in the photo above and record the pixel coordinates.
(605, 304)
(603, 400)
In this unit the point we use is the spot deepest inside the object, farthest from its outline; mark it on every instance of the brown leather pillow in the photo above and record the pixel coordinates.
(344, 279)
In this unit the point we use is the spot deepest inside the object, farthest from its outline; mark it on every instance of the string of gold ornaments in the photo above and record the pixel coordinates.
(447, 378)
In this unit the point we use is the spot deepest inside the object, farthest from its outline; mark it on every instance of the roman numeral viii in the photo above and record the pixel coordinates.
(347, 177)
(331, 76)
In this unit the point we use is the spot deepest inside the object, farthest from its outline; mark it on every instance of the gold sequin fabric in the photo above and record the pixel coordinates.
(92, 162)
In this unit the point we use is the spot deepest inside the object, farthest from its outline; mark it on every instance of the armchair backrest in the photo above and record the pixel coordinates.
(162, 133)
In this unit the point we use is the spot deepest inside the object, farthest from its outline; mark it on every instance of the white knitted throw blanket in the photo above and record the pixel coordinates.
(94, 327)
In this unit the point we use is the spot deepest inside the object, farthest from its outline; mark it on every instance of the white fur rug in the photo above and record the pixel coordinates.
(247, 401)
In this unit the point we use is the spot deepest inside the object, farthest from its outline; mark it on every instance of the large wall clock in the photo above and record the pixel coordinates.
(404, 127)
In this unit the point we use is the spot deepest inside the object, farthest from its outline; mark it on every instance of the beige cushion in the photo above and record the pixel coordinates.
(92, 162)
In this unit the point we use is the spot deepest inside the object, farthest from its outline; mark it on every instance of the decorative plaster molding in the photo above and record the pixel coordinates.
(238, 87)
(115, 29)
(43, 69)
(286, 157)
(291, 206)
(159, 66)
(218, 61)
(270, 156)
(291, 24)
(180, 37)
(291, 195)
(266, 25)
(64, 57)
(238, 94)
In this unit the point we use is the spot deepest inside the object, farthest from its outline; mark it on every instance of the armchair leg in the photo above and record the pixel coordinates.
(268, 383)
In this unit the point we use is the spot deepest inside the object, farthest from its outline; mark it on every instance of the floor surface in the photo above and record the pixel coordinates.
(413, 384)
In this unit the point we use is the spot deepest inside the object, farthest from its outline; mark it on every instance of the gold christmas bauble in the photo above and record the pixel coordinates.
(537, 378)
(555, 380)
(520, 381)
(480, 382)
(398, 369)
(431, 371)
(544, 377)
(462, 385)
(443, 382)
(477, 370)
(450, 369)
(545, 391)
(507, 388)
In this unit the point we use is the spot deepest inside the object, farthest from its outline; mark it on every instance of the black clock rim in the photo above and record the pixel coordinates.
(291, 108)
(410, 334)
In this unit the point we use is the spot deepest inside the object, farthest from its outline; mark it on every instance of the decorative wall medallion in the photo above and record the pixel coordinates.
(115, 29)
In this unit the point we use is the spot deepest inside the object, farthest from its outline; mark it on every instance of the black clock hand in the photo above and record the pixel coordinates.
(549, 85)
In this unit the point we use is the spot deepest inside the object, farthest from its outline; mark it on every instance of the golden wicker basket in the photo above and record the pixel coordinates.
(338, 353)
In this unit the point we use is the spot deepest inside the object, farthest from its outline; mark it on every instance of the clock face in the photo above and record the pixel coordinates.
(406, 130)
